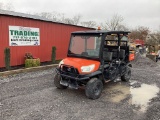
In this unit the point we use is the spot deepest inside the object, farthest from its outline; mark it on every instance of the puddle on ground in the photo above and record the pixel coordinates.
(139, 96)
(117, 92)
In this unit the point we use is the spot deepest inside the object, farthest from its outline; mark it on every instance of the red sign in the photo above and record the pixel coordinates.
(139, 42)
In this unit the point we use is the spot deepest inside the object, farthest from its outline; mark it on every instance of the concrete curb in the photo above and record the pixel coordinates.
(32, 69)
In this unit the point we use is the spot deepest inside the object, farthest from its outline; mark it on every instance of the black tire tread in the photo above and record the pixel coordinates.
(89, 88)
(57, 80)
(124, 77)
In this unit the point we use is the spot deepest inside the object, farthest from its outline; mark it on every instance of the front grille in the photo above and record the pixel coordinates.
(69, 69)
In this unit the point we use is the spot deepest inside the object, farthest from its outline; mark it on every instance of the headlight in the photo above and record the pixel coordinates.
(61, 63)
(87, 68)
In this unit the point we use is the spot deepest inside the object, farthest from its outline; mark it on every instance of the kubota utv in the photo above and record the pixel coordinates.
(94, 58)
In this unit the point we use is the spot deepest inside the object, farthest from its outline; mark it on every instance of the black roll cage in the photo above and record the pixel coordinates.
(103, 34)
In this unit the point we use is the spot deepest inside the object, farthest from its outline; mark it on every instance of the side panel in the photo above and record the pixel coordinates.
(51, 34)
(131, 56)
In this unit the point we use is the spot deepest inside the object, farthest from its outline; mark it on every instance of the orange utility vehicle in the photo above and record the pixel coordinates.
(94, 58)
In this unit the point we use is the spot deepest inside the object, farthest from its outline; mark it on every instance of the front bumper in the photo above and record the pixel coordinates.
(76, 77)
(73, 80)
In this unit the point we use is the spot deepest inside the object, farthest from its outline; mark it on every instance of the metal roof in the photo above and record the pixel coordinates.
(35, 17)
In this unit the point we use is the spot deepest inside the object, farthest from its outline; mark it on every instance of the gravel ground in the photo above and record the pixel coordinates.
(33, 96)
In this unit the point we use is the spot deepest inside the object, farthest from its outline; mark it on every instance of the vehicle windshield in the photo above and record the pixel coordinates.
(85, 46)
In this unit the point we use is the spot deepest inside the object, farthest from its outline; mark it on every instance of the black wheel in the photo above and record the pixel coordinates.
(127, 75)
(57, 80)
(94, 88)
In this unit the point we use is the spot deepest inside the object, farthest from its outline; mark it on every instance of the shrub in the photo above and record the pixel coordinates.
(38, 62)
(28, 63)
(7, 58)
(32, 63)
(53, 57)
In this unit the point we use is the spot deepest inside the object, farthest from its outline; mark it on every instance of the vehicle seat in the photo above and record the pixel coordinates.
(107, 56)
(114, 53)
(122, 54)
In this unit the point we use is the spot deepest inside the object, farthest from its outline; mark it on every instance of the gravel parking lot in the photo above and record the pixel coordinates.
(33, 96)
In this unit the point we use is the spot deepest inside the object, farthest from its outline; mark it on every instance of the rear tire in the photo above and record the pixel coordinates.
(94, 88)
(57, 80)
(126, 77)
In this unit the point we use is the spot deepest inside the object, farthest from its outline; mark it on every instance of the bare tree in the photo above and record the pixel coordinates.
(76, 19)
(122, 27)
(60, 17)
(115, 23)
(89, 24)
(68, 21)
(46, 15)
(139, 33)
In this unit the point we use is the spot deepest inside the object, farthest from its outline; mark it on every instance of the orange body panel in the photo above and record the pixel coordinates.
(79, 62)
(131, 56)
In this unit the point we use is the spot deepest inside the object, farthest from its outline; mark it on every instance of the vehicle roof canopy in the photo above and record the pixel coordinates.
(101, 31)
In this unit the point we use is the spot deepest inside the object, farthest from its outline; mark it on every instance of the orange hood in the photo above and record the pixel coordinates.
(79, 62)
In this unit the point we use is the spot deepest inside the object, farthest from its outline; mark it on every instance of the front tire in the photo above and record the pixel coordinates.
(57, 80)
(94, 88)
(126, 77)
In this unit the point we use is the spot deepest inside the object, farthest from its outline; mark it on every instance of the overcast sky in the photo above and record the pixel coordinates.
(135, 12)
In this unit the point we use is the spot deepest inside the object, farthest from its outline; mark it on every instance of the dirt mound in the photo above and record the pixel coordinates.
(143, 62)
